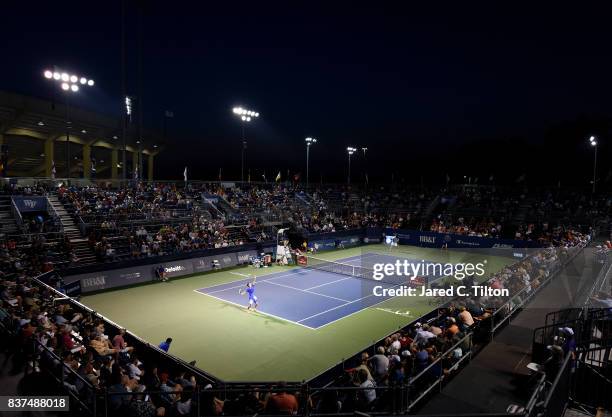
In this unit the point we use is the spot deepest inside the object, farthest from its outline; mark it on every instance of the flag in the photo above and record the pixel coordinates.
(136, 173)
(447, 178)
(53, 170)
(278, 177)
(93, 166)
(367, 179)
(521, 178)
(296, 177)
(185, 174)
(169, 113)
(264, 176)
(219, 174)
(249, 176)
(491, 178)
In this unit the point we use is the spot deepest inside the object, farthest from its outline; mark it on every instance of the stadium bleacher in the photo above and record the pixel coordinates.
(92, 358)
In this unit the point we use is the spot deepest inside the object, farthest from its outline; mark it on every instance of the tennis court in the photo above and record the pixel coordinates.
(216, 330)
(311, 298)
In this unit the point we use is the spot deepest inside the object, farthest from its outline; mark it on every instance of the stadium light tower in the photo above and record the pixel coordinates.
(69, 83)
(593, 142)
(246, 116)
(309, 142)
(365, 164)
(350, 150)
(127, 120)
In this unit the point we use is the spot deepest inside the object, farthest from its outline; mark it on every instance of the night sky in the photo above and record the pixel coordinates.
(474, 91)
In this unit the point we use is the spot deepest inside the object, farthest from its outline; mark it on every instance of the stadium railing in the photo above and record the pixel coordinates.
(81, 392)
(397, 399)
(133, 338)
(505, 313)
(550, 398)
(487, 328)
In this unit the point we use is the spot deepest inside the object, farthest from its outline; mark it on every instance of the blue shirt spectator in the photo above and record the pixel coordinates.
(165, 345)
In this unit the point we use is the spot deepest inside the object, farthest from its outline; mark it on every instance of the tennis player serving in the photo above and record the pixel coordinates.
(250, 290)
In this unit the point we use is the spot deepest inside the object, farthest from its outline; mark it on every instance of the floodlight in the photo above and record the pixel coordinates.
(56, 76)
(74, 87)
(74, 78)
(48, 74)
(65, 86)
(65, 77)
(90, 83)
(83, 80)
(594, 143)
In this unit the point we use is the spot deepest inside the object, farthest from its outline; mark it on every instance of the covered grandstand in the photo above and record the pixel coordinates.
(34, 132)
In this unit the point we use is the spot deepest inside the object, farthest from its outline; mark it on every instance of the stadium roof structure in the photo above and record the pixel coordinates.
(33, 135)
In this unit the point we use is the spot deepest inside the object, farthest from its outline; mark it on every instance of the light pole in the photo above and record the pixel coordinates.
(127, 120)
(593, 142)
(365, 164)
(350, 150)
(69, 84)
(309, 142)
(246, 116)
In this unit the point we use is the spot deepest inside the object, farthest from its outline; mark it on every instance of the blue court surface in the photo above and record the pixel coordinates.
(307, 297)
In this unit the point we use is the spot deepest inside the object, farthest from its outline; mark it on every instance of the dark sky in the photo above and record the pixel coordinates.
(465, 89)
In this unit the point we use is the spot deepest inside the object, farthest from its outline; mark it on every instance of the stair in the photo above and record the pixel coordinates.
(8, 226)
(80, 245)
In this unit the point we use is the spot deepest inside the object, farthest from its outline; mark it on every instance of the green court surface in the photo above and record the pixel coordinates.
(237, 345)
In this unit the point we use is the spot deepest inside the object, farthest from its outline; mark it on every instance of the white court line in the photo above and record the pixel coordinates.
(355, 312)
(343, 305)
(327, 283)
(258, 311)
(224, 289)
(241, 275)
(263, 279)
(309, 292)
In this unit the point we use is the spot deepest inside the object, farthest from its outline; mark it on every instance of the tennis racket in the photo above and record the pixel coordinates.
(241, 291)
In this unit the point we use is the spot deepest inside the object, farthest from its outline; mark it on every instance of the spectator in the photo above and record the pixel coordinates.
(166, 344)
(282, 402)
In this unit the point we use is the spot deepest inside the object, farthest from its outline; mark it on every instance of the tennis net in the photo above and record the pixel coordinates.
(338, 267)
(363, 272)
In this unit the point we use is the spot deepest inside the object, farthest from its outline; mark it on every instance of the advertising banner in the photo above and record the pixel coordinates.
(243, 257)
(437, 240)
(30, 204)
(96, 281)
(327, 244)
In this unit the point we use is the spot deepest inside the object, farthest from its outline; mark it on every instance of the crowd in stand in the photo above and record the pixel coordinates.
(146, 220)
(92, 356)
(34, 253)
(152, 220)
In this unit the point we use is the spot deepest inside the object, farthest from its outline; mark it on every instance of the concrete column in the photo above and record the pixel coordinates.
(86, 161)
(150, 167)
(49, 156)
(114, 162)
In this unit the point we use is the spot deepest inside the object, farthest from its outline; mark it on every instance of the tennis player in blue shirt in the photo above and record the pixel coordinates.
(250, 290)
